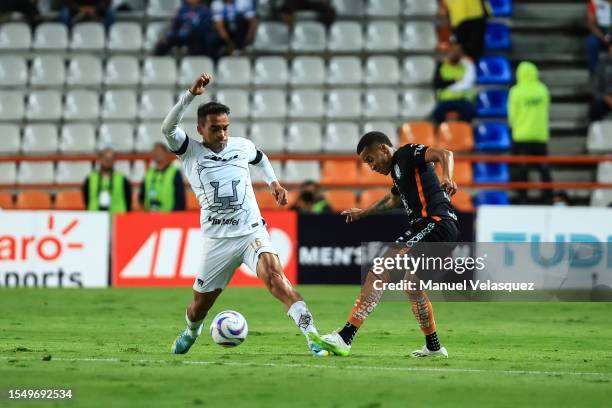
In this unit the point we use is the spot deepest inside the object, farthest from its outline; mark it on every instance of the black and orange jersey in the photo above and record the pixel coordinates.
(417, 184)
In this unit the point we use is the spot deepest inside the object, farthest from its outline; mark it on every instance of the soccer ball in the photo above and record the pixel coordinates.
(229, 329)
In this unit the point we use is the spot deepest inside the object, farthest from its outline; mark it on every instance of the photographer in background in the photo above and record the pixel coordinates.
(310, 199)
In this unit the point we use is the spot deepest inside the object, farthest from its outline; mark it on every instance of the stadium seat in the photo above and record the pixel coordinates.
(344, 71)
(154, 104)
(191, 114)
(419, 36)
(418, 132)
(191, 201)
(491, 198)
(456, 136)
(417, 103)
(269, 104)
(308, 36)
(420, 8)
(270, 71)
(6, 200)
(71, 200)
(51, 37)
(118, 136)
(162, 8)
(383, 8)
(44, 105)
(604, 172)
(492, 137)
(494, 70)
(88, 36)
(304, 137)
(387, 127)
(10, 142)
(152, 34)
(35, 173)
(382, 70)
(271, 37)
(81, 104)
(344, 171)
(343, 104)
(299, 171)
(501, 8)
(72, 171)
(462, 201)
(418, 70)
(47, 71)
(380, 103)
(159, 72)
(256, 176)
(147, 133)
(371, 196)
(349, 8)
(268, 136)
(341, 137)
(462, 174)
(307, 71)
(11, 105)
(237, 100)
(8, 173)
(84, 70)
(491, 172)
(15, 37)
(234, 71)
(192, 66)
(122, 71)
(345, 36)
(340, 200)
(13, 71)
(238, 129)
(497, 37)
(119, 105)
(601, 197)
(125, 37)
(306, 103)
(382, 36)
(33, 200)
(492, 103)
(77, 138)
(365, 175)
(598, 137)
(39, 139)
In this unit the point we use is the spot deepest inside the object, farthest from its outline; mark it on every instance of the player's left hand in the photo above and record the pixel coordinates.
(449, 186)
(279, 193)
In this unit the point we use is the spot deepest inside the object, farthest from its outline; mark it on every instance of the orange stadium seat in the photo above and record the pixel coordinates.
(33, 200)
(340, 200)
(462, 173)
(366, 176)
(462, 201)
(339, 172)
(369, 197)
(69, 200)
(6, 200)
(266, 200)
(456, 136)
(191, 201)
(417, 132)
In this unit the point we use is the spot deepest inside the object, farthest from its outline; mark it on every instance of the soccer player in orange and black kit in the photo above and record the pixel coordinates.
(431, 217)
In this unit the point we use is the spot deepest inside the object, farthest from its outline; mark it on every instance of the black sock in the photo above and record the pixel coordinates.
(433, 344)
(348, 332)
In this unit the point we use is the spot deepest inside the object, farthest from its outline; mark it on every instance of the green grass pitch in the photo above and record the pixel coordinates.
(112, 347)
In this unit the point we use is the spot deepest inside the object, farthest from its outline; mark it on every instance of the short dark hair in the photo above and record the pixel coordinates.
(372, 138)
(212, 108)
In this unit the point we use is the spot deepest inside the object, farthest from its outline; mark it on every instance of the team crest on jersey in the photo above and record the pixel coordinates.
(397, 171)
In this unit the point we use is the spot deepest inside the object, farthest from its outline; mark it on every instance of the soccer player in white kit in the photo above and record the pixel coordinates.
(234, 231)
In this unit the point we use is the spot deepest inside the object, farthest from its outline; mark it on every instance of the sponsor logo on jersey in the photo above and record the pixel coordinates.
(222, 221)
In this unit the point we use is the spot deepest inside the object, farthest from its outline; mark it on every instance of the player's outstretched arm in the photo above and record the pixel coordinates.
(388, 202)
(445, 158)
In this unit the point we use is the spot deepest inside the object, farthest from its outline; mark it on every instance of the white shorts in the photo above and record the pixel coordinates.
(221, 257)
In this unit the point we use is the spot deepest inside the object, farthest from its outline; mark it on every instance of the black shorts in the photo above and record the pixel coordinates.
(430, 229)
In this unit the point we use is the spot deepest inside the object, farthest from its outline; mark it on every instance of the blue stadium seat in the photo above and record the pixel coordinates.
(492, 103)
(492, 137)
(491, 173)
(494, 70)
(501, 8)
(491, 198)
(497, 37)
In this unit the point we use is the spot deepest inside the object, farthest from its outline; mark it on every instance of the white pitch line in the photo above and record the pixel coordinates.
(317, 366)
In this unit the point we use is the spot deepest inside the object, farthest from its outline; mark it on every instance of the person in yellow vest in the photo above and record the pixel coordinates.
(468, 22)
(163, 189)
(107, 189)
(454, 83)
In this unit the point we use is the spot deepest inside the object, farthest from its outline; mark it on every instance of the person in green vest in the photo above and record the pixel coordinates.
(528, 107)
(454, 83)
(310, 199)
(163, 189)
(107, 189)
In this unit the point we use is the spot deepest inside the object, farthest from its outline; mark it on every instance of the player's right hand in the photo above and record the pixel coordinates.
(199, 86)
(353, 214)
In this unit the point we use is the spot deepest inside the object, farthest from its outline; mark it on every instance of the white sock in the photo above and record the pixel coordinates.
(302, 317)
(194, 328)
